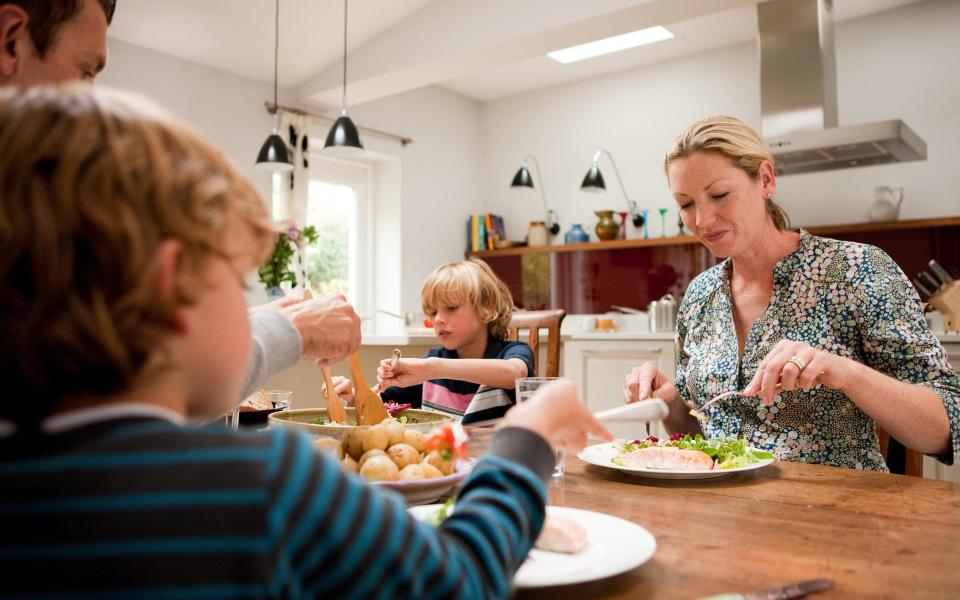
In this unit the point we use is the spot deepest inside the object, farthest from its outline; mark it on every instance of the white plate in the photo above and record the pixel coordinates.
(602, 454)
(614, 546)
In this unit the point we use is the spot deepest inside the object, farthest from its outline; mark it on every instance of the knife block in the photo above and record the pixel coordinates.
(947, 301)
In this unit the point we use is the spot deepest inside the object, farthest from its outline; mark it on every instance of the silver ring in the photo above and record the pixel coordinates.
(797, 361)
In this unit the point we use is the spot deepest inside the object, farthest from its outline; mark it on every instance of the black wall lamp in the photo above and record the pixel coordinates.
(343, 137)
(523, 179)
(273, 153)
(593, 182)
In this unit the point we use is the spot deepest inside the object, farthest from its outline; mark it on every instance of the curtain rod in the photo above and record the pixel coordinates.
(272, 109)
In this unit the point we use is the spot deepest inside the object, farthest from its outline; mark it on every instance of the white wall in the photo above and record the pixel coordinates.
(440, 172)
(442, 176)
(892, 64)
(226, 108)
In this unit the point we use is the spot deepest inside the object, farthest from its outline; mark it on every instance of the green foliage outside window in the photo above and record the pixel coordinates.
(277, 269)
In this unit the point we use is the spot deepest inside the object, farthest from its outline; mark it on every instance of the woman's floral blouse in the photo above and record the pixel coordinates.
(841, 297)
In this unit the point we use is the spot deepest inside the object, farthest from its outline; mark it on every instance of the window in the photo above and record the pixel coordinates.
(335, 206)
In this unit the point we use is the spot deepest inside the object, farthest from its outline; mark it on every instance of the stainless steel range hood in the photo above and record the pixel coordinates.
(798, 97)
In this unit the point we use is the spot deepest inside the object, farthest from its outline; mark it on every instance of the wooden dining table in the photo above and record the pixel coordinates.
(875, 535)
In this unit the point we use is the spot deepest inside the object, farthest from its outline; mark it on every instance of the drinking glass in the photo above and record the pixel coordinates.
(280, 398)
(526, 388)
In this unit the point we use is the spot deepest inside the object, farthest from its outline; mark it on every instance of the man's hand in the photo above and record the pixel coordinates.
(328, 326)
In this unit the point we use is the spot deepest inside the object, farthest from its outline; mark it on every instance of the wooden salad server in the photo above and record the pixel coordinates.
(369, 406)
(335, 411)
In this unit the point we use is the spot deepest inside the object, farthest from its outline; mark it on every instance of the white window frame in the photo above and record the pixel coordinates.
(357, 174)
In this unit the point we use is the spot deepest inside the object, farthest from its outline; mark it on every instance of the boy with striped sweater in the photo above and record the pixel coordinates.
(124, 242)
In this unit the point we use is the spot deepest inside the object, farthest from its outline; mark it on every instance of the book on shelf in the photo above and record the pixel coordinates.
(483, 230)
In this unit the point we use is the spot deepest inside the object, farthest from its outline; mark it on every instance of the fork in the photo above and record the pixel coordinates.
(699, 412)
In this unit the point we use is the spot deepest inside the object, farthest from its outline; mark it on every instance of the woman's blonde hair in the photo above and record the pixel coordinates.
(735, 140)
(470, 281)
(92, 181)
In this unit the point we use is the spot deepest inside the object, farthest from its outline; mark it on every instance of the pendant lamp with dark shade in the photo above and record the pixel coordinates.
(343, 137)
(593, 182)
(274, 155)
(523, 179)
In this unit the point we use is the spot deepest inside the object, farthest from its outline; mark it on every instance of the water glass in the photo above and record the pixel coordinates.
(526, 387)
(280, 398)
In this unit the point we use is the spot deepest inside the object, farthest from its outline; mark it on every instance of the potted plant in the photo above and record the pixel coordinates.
(289, 241)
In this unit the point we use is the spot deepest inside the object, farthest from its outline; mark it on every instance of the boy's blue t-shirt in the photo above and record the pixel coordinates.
(471, 401)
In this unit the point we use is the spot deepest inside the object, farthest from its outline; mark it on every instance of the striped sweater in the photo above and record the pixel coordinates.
(470, 403)
(143, 508)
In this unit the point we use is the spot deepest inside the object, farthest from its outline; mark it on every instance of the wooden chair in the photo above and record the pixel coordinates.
(534, 320)
(900, 459)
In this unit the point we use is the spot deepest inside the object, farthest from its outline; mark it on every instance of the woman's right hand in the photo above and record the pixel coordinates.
(642, 382)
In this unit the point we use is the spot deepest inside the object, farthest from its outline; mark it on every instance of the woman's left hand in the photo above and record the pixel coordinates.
(796, 366)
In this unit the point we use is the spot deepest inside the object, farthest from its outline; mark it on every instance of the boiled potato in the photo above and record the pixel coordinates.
(414, 438)
(369, 454)
(349, 464)
(376, 436)
(430, 471)
(394, 430)
(379, 468)
(412, 472)
(442, 465)
(403, 455)
(353, 443)
(331, 445)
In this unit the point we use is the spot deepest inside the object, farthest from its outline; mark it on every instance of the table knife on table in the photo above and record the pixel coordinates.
(798, 589)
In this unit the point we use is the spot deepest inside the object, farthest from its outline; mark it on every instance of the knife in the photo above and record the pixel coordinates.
(921, 288)
(940, 272)
(797, 589)
(653, 409)
(929, 281)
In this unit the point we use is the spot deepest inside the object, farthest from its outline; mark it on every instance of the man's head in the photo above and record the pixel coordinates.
(124, 239)
(52, 41)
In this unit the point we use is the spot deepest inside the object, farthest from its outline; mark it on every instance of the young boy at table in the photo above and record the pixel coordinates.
(471, 375)
(124, 242)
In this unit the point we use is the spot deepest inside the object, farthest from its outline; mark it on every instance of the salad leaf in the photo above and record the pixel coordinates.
(728, 453)
(442, 513)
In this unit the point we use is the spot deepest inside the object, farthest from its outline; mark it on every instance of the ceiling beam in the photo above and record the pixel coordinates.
(449, 38)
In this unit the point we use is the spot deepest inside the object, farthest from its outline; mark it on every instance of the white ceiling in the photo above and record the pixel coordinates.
(483, 49)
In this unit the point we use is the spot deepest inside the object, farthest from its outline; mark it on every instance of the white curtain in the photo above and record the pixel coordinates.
(295, 130)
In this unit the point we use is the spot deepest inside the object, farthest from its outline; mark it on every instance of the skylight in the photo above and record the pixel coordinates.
(609, 45)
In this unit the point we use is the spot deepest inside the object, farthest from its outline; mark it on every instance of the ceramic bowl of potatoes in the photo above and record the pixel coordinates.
(316, 422)
(393, 456)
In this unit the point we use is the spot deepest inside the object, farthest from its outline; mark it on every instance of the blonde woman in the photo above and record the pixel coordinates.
(471, 375)
(826, 338)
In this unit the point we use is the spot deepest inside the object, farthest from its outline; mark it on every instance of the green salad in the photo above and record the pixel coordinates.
(435, 518)
(727, 453)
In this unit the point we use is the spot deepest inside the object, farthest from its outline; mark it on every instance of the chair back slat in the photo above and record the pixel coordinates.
(534, 321)
(899, 458)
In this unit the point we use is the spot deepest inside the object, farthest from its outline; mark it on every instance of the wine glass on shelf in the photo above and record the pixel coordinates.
(646, 224)
(663, 222)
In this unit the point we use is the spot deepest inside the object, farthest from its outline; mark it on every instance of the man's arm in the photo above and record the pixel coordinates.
(276, 347)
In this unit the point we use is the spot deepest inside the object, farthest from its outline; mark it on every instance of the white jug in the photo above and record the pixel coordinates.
(886, 204)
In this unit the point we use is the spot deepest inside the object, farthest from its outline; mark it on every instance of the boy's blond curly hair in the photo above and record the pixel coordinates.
(91, 181)
(471, 281)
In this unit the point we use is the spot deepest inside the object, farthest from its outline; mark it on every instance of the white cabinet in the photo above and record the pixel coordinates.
(600, 366)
